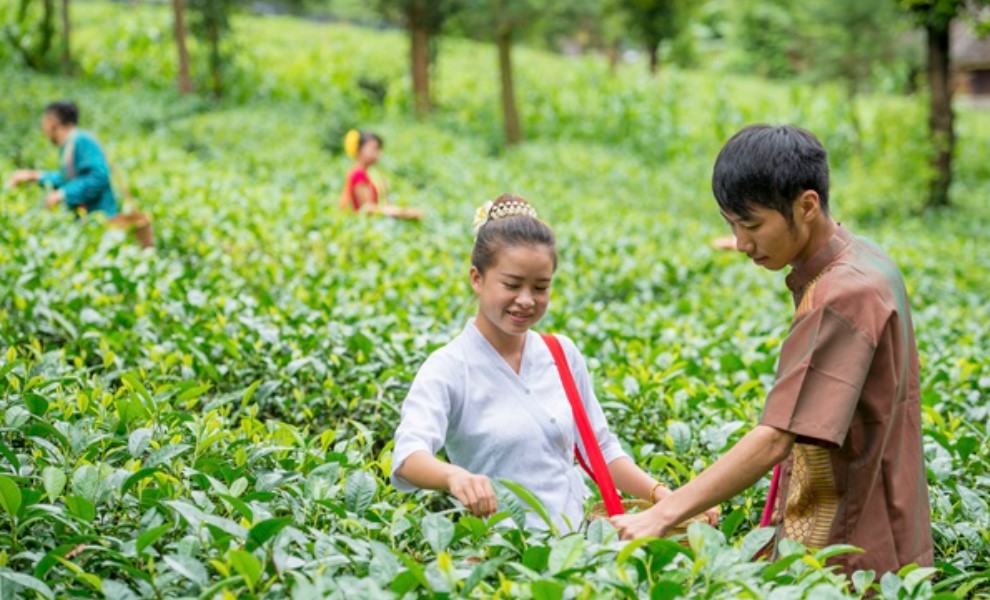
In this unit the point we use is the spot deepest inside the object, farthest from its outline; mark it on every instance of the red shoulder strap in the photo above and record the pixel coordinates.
(767, 519)
(599, 470)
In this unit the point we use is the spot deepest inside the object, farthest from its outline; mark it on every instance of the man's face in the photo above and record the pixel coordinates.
(766, 236)
(49, 125)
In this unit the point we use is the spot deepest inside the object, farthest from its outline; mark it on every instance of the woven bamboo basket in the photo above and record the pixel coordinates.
(635, 505)
(137, 224)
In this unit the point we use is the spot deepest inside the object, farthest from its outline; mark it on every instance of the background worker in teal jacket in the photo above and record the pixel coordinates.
(82, 180)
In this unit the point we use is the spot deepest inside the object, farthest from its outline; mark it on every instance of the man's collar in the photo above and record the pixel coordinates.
(69, 137)
(823, 257)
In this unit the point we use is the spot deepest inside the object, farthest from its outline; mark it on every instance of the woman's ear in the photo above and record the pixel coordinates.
(476, 279)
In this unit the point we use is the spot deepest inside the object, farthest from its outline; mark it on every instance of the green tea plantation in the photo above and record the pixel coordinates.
(213, 417)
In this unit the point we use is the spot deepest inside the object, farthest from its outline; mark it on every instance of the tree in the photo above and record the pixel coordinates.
(764, 31)
(608, 29)
(179, 29)
(510, 111)
(585, 24)
(935, 17)
(850, 40)
(501, 21)
(66, 30)
(31, 33)
(653, 22)
(424, 19)
(211, 23)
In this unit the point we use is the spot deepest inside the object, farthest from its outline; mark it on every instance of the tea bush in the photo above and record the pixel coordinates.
(213, 417)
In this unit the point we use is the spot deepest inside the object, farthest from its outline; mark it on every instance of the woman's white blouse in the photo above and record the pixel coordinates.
(495, 422)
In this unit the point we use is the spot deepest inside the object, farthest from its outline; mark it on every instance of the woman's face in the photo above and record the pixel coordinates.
(514, 292)
(368, 153)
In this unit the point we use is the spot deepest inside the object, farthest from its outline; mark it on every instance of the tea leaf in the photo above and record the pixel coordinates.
(54, 481)
(438, 532)
(10, 496)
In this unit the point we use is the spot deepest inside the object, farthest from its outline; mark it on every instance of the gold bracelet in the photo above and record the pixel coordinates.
(653, 490)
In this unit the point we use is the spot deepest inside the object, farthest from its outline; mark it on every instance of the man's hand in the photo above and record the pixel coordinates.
(473, 491)
(724, 243)
(54, 198)
(647, 523)
(711, 515)
(22, 176)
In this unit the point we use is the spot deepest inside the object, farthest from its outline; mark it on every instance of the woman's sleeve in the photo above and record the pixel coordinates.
(425, 415)
(609, 443)
(357, 177)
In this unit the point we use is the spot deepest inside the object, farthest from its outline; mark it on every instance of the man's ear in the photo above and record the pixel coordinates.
(808, 206)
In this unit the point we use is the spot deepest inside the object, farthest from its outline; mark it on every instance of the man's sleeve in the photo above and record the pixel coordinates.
(823, 366)
(52, 178)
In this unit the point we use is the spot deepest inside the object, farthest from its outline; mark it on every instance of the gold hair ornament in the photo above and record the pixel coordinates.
(489, 211)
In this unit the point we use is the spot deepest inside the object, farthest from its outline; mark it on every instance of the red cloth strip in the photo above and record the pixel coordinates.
(599, 469)
(767, 518)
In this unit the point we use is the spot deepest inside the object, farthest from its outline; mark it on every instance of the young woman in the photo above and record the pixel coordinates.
(360, 192)
(493, 396)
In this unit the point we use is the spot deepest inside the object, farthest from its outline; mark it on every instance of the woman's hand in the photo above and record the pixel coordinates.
(475, 492)
(712, 514)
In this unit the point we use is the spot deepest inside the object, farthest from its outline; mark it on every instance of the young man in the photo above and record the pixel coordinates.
(844, 415)
(82, 181)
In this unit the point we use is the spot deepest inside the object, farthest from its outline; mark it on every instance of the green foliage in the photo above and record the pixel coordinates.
(215, 415)
(210, 22)
(29, 33)
(654, 21)
(428, 14)
(868, 45)
(856, 42)
(526, 19)
(936, 14)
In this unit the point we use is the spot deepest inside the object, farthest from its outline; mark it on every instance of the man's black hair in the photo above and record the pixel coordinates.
(769, 166)
(65, 111)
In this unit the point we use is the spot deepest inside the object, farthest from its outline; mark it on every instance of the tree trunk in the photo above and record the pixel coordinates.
(940, 118)
(216, 60)
(420, 53)
(614, 55)
(653, 51)
(513, 130)
(185, 84)
(854, 119)
(66, 30)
